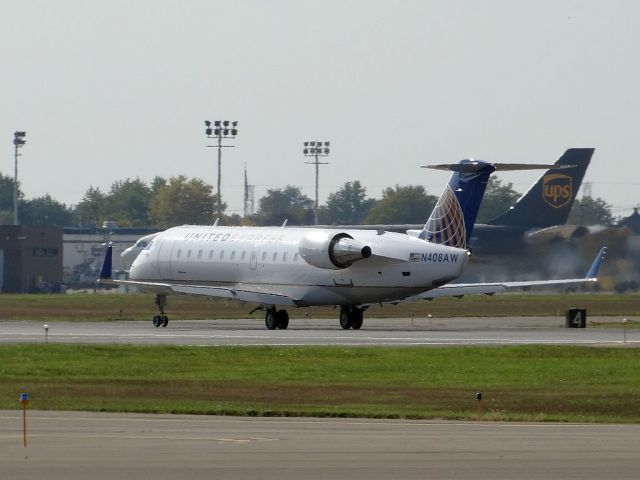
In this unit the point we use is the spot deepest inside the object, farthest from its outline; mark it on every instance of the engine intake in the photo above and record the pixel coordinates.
(331, 250)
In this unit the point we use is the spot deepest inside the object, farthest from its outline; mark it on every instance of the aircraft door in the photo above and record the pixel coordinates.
(253, 261)
(165, 251)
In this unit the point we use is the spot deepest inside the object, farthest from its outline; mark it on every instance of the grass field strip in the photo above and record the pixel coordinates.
(300, 338)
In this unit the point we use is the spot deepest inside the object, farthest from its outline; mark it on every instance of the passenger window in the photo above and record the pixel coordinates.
(264, 256)
(199, 253)
(179, 254)
(295, 257)
(210, 254)
(275, 256)
(284, 257)
(189, 254)
(221, 254)
(233, 255)
(244, 254)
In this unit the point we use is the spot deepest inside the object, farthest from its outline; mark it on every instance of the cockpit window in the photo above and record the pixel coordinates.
(147, 246)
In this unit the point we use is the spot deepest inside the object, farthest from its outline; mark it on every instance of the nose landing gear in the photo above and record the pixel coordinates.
(161, 320)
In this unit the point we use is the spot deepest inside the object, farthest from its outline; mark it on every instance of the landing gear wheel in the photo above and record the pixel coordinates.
(270, 319)
(161, 320)
(345, 319)
(282, 319)
(351, 317)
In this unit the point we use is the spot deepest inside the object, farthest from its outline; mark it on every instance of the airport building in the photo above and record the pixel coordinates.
(30, 259)
(84, 248)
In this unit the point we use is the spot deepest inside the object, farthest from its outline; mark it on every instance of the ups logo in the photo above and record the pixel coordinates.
(557, 190)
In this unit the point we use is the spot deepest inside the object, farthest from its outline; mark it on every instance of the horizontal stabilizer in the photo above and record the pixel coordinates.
(474, 166)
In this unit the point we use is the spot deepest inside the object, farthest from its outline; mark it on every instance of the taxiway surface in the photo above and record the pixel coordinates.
(77, 445)
(376, 332)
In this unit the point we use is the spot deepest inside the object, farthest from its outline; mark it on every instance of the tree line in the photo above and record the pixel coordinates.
(179, 200)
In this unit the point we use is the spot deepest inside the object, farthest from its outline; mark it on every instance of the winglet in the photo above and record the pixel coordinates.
(595, 266)
(105, 272)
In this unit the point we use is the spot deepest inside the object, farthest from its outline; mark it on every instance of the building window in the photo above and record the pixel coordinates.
(44, 252)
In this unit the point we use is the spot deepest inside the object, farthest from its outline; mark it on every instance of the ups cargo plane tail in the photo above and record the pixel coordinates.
(548, 202)
(300, 267)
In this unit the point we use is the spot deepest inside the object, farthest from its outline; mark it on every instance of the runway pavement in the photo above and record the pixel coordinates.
(375, 332)
(75, 445)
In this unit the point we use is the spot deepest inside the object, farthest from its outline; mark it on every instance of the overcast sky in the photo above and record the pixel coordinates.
(109, 90)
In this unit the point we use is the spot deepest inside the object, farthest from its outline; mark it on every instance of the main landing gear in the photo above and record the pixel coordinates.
(276, 319)
(351, 317)
(161, 320)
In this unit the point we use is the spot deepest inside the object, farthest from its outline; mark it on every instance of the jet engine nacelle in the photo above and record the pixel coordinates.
(332, 250)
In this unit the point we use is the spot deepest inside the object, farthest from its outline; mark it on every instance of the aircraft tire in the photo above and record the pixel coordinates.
(270, 320)
(282, 318)
(157, 321)
(165, 320)
(357, 318)
(345, 319)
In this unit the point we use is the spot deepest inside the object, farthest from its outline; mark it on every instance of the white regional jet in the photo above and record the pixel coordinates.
(300, 267)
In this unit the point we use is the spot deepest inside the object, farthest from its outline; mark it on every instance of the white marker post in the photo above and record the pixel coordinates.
(46, 333)
(624, 329)
(24, 400)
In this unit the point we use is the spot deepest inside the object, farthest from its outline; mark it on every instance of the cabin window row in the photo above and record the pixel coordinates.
(220, 255)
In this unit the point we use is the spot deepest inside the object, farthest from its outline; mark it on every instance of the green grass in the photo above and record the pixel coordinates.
(518, 383)
(83, 307)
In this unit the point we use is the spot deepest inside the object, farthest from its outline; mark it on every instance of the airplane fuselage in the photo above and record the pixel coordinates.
(299, 262)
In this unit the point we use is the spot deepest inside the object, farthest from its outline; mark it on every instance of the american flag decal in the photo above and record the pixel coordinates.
(414, 257)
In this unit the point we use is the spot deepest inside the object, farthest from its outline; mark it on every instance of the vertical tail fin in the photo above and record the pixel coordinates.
(453, 218)
(548, 202)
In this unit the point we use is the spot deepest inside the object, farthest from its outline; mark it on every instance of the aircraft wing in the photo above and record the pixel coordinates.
(234, 293)
(461, 289)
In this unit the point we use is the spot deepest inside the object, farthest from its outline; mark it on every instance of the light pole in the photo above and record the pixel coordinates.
(18, 142)
(316, 149)
(221, 129)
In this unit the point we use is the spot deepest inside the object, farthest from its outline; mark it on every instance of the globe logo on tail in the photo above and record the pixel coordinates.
(446, 224)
